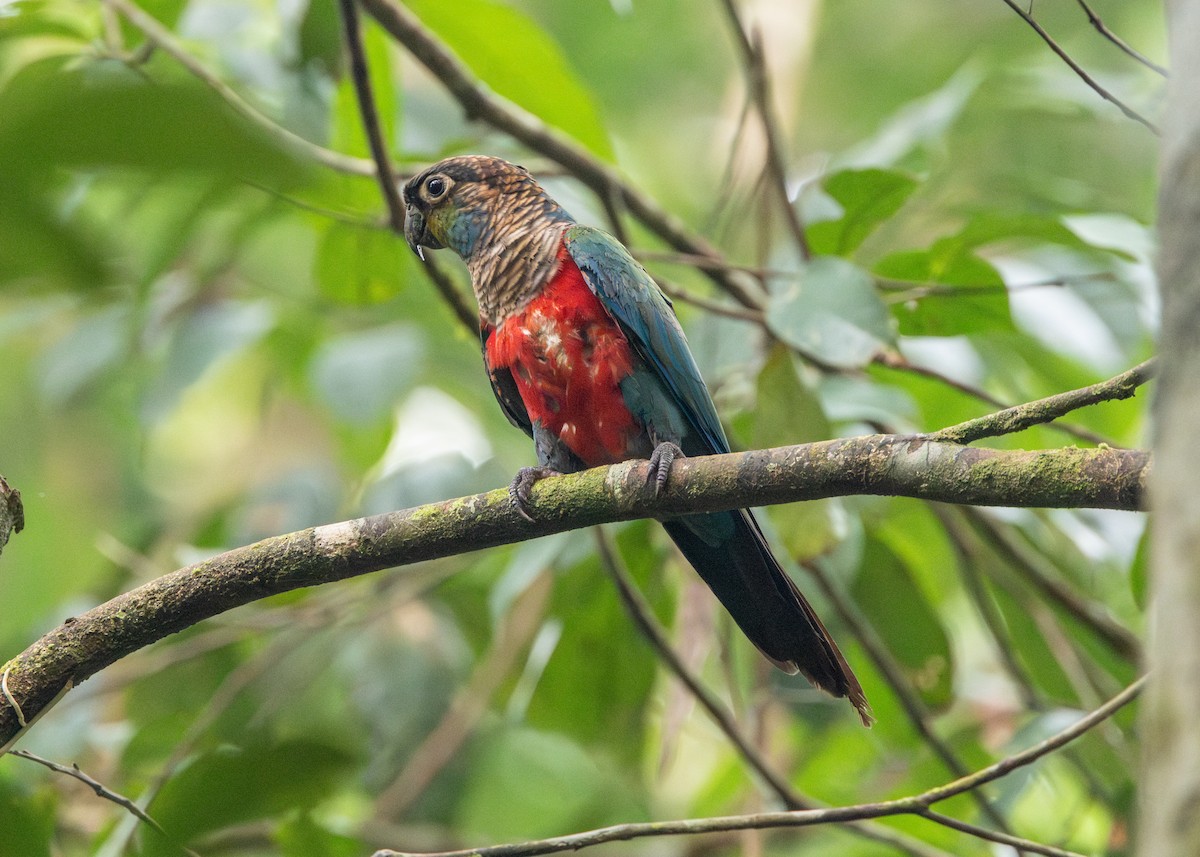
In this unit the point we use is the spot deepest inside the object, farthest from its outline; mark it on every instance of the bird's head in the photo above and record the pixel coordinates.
(464, 203)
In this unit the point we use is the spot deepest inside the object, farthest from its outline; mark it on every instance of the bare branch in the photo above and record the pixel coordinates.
(166, 40)
(101, 791)
(1075, 67)
(759, 82)
(916, 805)
(361, 76)
(1047, 410)
(1103, 29)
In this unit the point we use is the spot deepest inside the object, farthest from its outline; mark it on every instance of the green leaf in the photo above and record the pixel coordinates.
(361, 375)
(596, 686)
(28, 826)
(303, 837)
(907, 623)
(38, 250)
(360, 266)
(831, 313)
(788, 412)
(231, 786)
(527, 784)
(867, 198)
(121, 121)
(513, 56)
(320, 38)
(936, 308)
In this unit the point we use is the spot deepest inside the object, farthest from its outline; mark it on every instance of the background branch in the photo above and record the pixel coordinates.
(915, 805)
(643, 617)
(361, 77)
(1077, 68)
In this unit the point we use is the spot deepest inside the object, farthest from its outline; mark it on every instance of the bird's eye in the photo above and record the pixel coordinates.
(435, 186)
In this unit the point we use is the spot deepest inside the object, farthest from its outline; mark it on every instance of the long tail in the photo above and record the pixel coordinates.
(730, 554)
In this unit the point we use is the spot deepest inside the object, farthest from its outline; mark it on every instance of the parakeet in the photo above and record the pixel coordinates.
(586, 356)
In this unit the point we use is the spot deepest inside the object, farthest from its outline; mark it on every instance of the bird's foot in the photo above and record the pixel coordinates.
(519, 490)
(661, 459)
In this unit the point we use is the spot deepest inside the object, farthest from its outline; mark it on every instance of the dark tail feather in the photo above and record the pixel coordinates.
(729, 552)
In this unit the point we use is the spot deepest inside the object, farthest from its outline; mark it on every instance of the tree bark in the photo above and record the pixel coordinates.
(1170, 774)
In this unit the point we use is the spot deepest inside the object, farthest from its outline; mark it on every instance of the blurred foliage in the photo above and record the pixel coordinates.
(208, 339)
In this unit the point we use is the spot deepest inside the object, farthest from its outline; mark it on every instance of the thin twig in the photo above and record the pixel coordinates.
(755, 316)
(11, 700)
(643, 617)
(348, 218)
(1021, 417)
(101, 791)
(1103, 29)
(978, 832)
(166, 40)
(758, 80)
(916, 805)
(1075, 67)
(897, 361)
(361, 76)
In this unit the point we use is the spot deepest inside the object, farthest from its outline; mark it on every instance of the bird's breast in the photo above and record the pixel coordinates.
(568, 357)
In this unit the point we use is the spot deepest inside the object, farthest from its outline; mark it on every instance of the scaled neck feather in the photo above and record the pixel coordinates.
(515, 262)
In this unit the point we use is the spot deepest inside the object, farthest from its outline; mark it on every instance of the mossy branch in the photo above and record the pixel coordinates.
(911, 466)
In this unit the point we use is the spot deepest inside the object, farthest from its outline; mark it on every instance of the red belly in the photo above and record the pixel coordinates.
(567, 357)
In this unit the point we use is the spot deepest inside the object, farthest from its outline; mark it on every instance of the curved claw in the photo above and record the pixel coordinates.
(661, 459)
(519, 490)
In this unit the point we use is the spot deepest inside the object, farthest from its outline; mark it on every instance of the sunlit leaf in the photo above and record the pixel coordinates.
(788, 412)
(949, 294)
(831, 312)
(28, 827)
(867, 198)
(523, 64)
(909, 626)
(360, 266)
(229, 786)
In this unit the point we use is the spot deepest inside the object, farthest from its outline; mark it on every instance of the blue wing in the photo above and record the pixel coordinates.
(648, 321)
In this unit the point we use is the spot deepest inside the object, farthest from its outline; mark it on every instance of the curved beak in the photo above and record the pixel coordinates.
(416, 233)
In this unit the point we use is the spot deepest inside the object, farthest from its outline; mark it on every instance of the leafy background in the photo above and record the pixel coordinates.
(208, 338)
